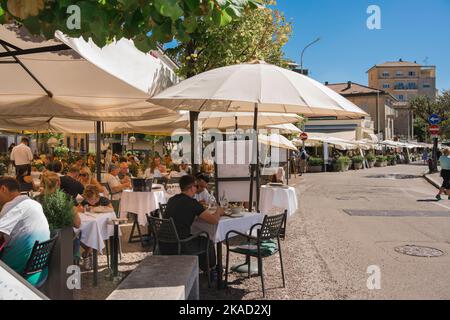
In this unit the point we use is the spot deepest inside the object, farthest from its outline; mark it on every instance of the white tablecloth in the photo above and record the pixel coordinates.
(95, 229)
(141, 203)
(278, 197)
(217, 233)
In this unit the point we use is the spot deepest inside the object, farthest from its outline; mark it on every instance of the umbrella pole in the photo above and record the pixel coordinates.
(193, 118)
(98, 151)
(288, 166)
(253, 166)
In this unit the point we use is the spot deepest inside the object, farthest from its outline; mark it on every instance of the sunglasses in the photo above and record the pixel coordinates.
(83, 174)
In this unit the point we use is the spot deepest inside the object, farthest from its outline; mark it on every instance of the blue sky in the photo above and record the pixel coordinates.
(410, 29)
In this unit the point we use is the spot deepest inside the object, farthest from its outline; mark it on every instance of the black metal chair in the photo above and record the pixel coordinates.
(165, 232)
(261, 246)
(162, 210)
(39, 259)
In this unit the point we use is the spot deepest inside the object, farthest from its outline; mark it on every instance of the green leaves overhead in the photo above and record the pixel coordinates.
(226, 40)
(160, 21)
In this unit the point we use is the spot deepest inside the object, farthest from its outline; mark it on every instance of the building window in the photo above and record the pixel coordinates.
(399, 86)
(412, 85)
(68, 142)
(401, 97)
(399, 74)
(412, 73)
(386, 86)
(385, 74)
(426, 85)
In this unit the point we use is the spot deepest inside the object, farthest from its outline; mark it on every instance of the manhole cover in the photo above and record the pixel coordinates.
(419, 251)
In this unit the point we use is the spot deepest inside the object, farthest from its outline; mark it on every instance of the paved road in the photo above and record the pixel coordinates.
(345, 246)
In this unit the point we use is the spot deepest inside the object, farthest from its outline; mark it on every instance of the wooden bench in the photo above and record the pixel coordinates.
(161, 278)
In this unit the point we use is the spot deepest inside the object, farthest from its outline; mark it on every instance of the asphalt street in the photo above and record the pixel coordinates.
(394, 207)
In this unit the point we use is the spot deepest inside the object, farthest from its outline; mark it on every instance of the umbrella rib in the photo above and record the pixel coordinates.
(29, 72)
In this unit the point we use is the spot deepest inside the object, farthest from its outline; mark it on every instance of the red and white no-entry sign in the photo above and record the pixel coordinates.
(434, 130)
(304, 136)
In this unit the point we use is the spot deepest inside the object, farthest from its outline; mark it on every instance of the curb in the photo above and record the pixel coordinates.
(431, 181)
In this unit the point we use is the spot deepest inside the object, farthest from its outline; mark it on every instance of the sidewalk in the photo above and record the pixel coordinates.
(434, 178)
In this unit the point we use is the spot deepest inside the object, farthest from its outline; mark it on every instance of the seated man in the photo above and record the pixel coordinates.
(202, 195)
(183, 209)
(116, 185)
(22, 223)
(124, 173)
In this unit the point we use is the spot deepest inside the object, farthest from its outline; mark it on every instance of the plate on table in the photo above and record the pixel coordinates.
(236, 215)
(275, 184)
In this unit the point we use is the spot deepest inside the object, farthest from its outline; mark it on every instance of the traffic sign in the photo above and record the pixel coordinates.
(434, 119)
(304, 136)
(434, 130)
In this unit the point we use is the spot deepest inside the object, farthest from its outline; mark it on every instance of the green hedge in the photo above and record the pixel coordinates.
(315, 161)
(381, 159)
(370, 157)
(357, 159)
(344, 161)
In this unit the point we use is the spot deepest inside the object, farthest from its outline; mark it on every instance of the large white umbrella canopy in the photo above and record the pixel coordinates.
(277, 140)
(271, 88)
(287, 128)
(86, 82)
(211, 120)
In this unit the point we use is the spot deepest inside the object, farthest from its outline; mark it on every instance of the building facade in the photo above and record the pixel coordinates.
(404, 80)
(378, 103)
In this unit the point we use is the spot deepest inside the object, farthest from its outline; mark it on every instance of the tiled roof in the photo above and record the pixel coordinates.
(354, 88)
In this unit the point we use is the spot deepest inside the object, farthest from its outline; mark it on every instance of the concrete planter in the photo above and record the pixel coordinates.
(358, 166)
(314, 169)
(371, 164)
(340, 168)
(62, 257)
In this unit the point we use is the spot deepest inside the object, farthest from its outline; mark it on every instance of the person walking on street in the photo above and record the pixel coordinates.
(303, 161)
(22, 156)
(444, 160)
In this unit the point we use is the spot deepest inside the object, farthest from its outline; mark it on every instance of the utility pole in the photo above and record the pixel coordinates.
(303, 51)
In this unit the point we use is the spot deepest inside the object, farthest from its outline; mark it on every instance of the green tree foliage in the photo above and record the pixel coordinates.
(259, 34)
(423, 107)
(105, 20)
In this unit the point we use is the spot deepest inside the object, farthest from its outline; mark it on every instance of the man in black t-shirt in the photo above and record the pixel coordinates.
(183, 209)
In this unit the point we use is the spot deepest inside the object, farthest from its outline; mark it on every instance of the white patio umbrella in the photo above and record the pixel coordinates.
(277, 140)
(168, 124)
(256, 87)
(75, 79)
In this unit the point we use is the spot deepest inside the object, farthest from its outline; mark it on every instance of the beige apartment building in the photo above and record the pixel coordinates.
(377, 103)
(404, 80)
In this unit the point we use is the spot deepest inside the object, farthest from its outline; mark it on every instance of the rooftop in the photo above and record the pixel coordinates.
(346, 88)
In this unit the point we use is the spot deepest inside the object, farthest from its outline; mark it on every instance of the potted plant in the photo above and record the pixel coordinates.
(358, 162)
(392, 160)
(60, 214)
(342, 163)
(381, 161)
(315, 164)
(61, 151)
(371, 159)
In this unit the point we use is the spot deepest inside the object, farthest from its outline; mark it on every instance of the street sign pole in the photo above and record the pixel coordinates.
(434, 167)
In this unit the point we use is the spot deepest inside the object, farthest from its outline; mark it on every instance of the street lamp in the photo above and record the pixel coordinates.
(132, 140)
(303, 51)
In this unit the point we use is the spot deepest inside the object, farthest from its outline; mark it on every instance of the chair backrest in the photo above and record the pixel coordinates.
(162, 209)
(173, 180)
(271, 226)
(40, 256)
(164, 230)
(162, 181)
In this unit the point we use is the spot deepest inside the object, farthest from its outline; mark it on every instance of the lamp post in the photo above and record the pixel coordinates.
(132, 140)
(303, 51)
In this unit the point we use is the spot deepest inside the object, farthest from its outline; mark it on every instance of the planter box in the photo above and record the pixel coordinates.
(379, 164)
(62, 257)
(315, 169)
(371, 164)
(339, 168)
(358, 166)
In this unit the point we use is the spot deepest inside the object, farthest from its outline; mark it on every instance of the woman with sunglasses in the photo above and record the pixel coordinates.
(87, 178)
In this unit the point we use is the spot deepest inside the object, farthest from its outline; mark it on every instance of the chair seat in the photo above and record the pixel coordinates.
(268, 248)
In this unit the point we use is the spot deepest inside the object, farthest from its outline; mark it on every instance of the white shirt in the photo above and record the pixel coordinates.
(21, 155)
(113, 181)
(202, 196)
